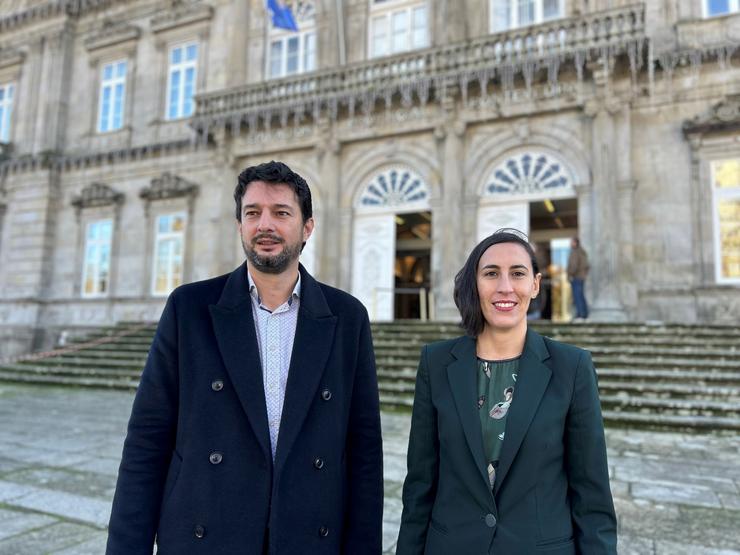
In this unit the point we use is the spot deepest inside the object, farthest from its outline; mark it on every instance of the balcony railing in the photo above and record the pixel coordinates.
(605, 33)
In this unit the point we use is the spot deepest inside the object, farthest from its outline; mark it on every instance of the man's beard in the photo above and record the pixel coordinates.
(271, 264)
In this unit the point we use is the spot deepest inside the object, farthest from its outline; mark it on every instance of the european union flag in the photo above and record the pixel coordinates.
(282, 16)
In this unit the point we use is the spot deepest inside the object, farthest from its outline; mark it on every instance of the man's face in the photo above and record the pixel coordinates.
(272, 228)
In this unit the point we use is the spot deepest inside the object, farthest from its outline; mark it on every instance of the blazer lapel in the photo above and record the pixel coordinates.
(464, 386)
(313, 342)
(532, 379)
(237, 340)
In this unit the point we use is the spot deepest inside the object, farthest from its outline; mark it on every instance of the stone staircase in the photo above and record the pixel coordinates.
(650, 376)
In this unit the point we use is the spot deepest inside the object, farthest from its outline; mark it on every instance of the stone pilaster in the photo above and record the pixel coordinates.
(448, 224)
(603, 241)
(327, 153)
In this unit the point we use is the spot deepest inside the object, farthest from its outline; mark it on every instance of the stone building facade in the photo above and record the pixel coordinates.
(421, 125)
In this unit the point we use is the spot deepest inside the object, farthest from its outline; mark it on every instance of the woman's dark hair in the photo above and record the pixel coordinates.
(466, 283)
(274, 172)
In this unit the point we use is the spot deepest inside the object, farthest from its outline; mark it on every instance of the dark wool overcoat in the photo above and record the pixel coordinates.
(197, 471)
(551, 493)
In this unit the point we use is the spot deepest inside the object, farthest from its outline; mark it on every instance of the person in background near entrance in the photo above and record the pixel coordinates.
(506, 450)
(256, 426)
(577, 272)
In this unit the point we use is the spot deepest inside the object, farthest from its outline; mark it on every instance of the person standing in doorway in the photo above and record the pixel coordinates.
(577, 272)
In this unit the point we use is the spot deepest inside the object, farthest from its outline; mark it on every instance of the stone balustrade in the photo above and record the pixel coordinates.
(605, 33)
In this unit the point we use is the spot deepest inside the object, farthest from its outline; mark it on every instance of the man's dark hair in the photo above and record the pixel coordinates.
(466, 283)
(274, 172)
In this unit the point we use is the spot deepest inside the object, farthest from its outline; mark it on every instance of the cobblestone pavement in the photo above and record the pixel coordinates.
(59, 450)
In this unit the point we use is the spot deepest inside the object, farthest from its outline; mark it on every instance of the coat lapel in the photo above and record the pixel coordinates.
(463, 383)
(313, 342)
(237, 340)
(532, 379)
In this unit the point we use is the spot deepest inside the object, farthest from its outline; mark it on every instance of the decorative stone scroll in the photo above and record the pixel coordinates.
(181, 12)
(395, 187)
(529, 173)
(111, 33)
(724, 116)
(97, 194)
(168, 186)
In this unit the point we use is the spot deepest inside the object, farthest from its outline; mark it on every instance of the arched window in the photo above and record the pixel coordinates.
(291, 52)
(529, 173)
(395, 187)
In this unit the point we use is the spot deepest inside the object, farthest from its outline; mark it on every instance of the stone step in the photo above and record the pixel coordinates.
(670, 406)
(77, 381)
(623, 418)
(86, 362)
(698, 377)
(71, 371)
(603, 329)
(138, 356)
(625, 362)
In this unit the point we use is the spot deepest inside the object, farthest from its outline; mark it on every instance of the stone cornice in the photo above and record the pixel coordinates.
(11, 57)
(723, 116)
(95, 195)
(54, 8)
(181, 13)
(168, 186)
(71, 162)
(111, 33)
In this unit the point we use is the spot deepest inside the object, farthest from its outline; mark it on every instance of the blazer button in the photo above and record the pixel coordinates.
(319, 463)
(216, 457)
(490, 520)
(326, 395)
(323, 531)
(217, 385)
(199, 531)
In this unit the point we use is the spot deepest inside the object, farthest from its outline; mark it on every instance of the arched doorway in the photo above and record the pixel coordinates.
(533, 191)
(392, 246)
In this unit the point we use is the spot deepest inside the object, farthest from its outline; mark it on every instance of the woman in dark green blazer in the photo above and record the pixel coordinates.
(506, 452)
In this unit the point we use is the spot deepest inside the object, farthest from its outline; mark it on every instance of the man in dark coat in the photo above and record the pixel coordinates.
(256, 426)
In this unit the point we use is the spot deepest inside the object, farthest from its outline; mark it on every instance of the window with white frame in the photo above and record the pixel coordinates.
(397, 26)
(510, 14)
(96, 265)
(292, 52)
(169, 249)
(726, 193)
(6, 110)
(720, 7)
(181, 77)
(112, 97)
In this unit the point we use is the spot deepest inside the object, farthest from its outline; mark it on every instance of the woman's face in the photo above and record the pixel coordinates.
(506, 285)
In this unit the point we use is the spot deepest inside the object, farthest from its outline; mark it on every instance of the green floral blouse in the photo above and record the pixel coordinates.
(496, 381)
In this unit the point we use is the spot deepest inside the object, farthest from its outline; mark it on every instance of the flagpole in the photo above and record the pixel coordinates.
(340, 33)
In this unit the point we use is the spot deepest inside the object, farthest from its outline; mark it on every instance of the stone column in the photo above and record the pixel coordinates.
(330, 228)
(448, 224)
(604, 240)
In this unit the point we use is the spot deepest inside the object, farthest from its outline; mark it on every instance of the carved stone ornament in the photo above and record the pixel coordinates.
(111, 33)
(97, 194)
(181, 12)
(168, 186)
(724, 116)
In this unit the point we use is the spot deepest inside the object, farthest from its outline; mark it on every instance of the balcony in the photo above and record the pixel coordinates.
(502, 55)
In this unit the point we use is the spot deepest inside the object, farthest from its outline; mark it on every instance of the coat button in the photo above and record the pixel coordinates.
(199, 531)
(217, 385)
(323, 531)
(490, 520)
(216, 457)
(319, 463)
(326, 395)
